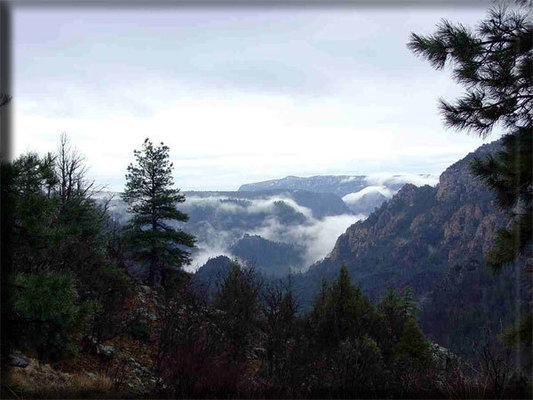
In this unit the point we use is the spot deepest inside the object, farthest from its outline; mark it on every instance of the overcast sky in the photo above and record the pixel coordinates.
(238, 94)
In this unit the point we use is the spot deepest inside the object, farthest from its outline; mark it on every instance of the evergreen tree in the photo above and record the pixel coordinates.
(413, 347)
(238, 298)
(494, 63)
(152, 201)
(510, 175)
(340, 311)
(279, 310)
(57, 233)
(398, 324)
(57, 226)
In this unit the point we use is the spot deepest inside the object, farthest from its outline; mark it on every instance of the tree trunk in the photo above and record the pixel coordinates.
(155, 270)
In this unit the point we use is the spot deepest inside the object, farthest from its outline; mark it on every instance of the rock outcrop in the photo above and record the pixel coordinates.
(420, 229)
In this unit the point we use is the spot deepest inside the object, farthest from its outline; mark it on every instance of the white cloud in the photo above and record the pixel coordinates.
(248, 206)
(317, 236)
(378, 182)
(324, 233)
(355, 197)
(415, 179)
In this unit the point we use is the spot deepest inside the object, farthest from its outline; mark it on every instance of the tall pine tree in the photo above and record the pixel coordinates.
(152, 200)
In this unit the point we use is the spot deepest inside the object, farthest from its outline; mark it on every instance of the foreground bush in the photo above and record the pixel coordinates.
(45, 315)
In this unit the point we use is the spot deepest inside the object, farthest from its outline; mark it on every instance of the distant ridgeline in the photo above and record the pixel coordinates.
(361, 193)
(432, 239)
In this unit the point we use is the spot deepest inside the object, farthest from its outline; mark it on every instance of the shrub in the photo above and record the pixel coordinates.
(194, 355)
(412, 347)
(140, 330)
(45, 314)
(109, 288)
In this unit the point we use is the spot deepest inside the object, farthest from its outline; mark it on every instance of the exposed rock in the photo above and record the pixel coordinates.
(420, 226)
(146, 289)
(444, 359)
(106, 351)
(18, 360)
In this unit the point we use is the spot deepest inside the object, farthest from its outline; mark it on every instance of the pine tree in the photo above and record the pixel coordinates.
(340, 311)
(279, 312)
(510, 175)
(152, 201)
(57, 243)
(494, 64)
(395, 310)
(57, 225)
(238, 298)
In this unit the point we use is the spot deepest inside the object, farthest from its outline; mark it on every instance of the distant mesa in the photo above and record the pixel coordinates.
(340, 185)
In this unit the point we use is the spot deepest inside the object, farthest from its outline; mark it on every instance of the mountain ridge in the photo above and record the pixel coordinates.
(341, 185)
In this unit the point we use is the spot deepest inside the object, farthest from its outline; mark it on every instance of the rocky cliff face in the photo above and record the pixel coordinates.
(421, 227)
(432, 239)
